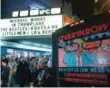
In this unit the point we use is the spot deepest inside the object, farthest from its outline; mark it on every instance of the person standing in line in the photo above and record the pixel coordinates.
(22, 73)
(12, 72)
(4, 73)
(40, 68)
(33, 69)
(49, 64)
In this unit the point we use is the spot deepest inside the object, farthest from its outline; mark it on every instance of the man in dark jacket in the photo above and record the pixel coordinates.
(22, 73)
(4, 73)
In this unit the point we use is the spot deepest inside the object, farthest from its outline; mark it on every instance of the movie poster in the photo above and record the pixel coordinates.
(84, 56)
(78, 53)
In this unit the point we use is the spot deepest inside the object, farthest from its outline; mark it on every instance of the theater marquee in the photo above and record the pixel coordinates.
(30, 26)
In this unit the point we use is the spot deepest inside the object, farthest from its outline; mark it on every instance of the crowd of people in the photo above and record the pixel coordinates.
(24, 71)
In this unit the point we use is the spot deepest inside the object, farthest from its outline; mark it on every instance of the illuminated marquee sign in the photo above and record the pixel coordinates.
(37, 12)
(29, 26)
(86, 32)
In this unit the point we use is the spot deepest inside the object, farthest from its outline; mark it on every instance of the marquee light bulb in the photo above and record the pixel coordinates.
(15, 13)
(76, 23)
(24, 13)
(81, 21)
(71, 25)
